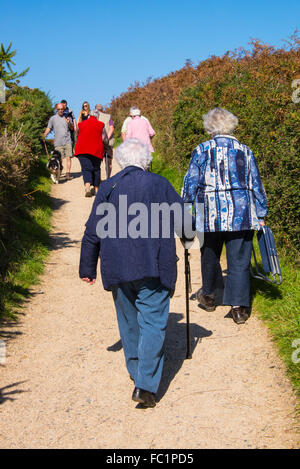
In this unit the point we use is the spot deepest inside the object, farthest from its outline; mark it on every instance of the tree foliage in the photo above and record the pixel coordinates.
(6, 66)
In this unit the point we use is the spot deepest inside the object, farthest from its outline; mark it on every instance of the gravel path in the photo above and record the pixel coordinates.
(65, 385)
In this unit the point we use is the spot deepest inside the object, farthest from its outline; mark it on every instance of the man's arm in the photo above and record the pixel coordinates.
(49, 128)
(47, 131)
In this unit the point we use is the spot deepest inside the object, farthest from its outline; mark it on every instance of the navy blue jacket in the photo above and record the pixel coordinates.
(124, 259)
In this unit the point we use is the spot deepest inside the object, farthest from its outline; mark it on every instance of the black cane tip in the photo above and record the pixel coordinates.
(188, 356)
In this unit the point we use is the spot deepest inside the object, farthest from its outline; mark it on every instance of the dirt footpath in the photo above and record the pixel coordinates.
(65, 385)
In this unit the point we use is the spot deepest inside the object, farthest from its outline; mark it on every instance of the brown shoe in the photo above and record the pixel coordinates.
(239, 314)
(205, 302)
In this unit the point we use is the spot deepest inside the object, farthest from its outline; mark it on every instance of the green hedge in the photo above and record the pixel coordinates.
(269, 124)
(23, 118)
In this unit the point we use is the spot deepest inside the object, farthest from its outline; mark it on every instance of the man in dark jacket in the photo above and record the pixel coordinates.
(138, 259)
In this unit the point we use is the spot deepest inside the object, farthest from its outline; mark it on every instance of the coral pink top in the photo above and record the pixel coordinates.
(141, 129)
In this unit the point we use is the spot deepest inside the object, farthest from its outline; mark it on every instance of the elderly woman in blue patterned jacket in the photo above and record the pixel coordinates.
(229, 200)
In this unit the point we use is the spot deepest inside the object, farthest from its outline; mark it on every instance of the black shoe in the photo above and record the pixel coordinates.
(146, 398)
(205, 301)
(239, 314)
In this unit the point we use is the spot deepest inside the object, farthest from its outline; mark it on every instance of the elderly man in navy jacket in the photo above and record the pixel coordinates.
(132, 228)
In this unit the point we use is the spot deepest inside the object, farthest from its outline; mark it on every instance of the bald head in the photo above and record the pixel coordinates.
(99, 107)
(60, 108)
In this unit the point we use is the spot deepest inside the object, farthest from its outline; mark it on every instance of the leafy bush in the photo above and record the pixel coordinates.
(23, 117)
(31, 109)
(15, 161)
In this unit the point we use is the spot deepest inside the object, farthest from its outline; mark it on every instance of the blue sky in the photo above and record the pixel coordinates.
(94, 50)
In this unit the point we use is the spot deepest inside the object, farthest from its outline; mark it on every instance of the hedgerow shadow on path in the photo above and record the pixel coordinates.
(8, 391)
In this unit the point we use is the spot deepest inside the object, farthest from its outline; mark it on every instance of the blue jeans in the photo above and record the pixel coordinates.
(238, 252)
(142, 310)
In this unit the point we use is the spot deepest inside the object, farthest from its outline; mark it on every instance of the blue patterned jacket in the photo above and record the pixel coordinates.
(224, 185)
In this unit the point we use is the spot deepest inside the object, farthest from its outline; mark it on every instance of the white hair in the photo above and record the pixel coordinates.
(95, 113)
(219, 121)
(133, 152)
(134, 111)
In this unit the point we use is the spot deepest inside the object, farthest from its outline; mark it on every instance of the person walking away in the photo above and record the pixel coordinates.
(110, 128)
(139, 267)
(84, 113)
(127, 120)
(224, 180)
(90, 146)
(140, 128)
(69, 113)
(62, 128)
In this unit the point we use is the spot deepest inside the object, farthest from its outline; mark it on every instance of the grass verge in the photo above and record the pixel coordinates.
(28, 244)
(173, 175)
(279, 307)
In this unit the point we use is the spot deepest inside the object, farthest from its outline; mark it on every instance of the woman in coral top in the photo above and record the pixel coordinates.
(91, 143)
(140, 128)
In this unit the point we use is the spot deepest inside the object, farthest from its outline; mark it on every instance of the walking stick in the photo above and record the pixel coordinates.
(106, 165)
(46, 148)
(188, 289)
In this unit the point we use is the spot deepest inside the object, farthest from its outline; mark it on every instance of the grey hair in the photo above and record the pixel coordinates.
(133, 152)
(134, 111)
(94, 113)
(219, 121)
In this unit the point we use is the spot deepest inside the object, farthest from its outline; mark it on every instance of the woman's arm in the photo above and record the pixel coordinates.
(90, 249)
(191, 180)
(150, 130)
(258, 189)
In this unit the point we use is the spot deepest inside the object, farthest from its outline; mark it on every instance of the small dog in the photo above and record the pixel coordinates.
(55, 166)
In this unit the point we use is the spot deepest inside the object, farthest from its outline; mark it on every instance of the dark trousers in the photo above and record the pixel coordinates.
(90, 168)
(238, 252)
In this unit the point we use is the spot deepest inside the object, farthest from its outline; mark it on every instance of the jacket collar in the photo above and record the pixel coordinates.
(225, 136)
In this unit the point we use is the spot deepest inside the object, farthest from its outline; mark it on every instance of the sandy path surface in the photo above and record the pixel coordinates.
(65, 385)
